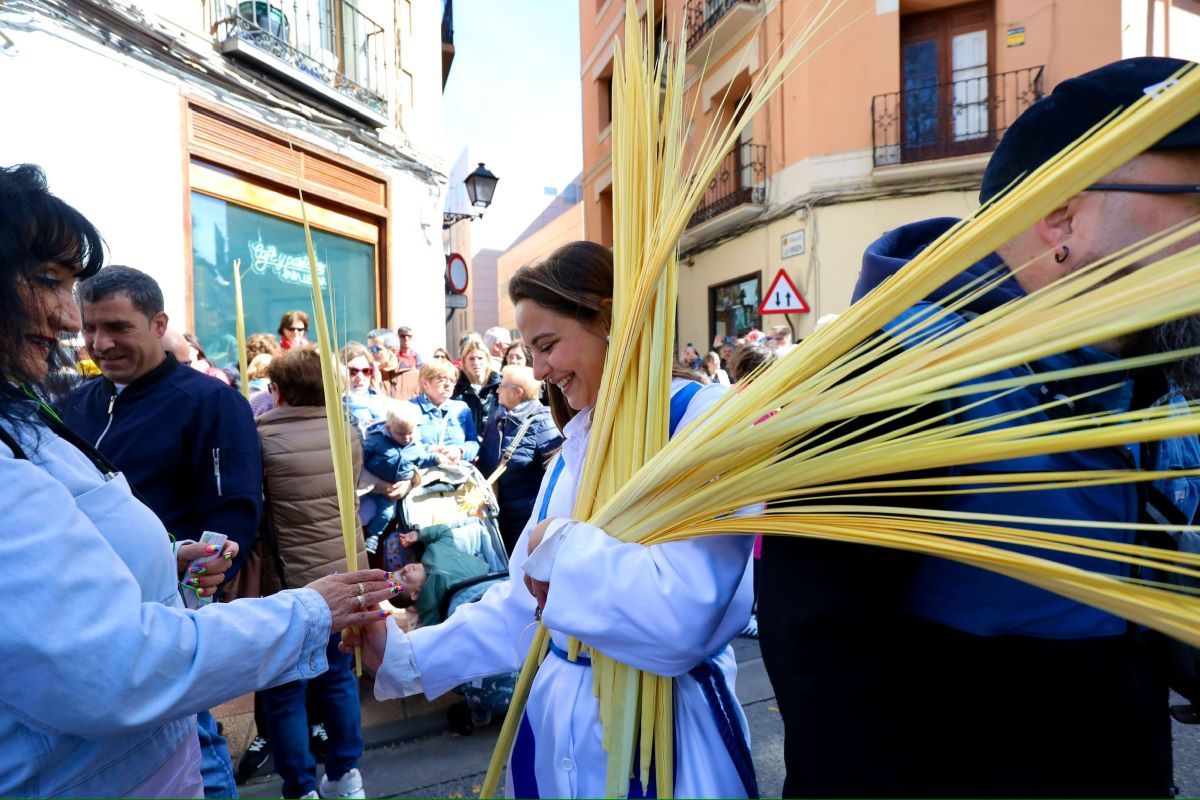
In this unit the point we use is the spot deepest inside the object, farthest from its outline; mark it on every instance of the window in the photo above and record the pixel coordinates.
(733, 306)
(605, 87)
(944, 67)
(275, 273)
(606, 217)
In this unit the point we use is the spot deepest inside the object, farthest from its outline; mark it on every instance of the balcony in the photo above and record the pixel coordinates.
(737, 191)
(327, 47)
(946, 120)
(718, 24)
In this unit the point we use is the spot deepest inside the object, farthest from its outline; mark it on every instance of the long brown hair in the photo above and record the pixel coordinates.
(576, 280)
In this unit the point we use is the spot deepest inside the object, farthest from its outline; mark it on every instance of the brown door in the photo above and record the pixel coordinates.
(945, 98)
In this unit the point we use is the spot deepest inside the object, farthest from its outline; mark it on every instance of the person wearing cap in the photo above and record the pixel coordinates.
(904, 675)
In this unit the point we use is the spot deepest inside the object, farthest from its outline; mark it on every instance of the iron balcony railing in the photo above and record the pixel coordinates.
(330, 41)
(940, 120)
(703, 16)
(741, 179)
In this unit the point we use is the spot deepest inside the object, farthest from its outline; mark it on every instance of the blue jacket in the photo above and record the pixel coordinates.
(452, 424)
(92, 705)
(386, 458)
(186, 442)
(982, 602)
(518, 486)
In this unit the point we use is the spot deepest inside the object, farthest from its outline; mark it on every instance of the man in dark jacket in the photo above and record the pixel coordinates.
(186, 442)
(906, 676)
(521, 435)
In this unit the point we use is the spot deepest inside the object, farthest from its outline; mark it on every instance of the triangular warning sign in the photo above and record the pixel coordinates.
(783, 297)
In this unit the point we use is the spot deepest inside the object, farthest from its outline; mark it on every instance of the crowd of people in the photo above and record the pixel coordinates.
(120, 461)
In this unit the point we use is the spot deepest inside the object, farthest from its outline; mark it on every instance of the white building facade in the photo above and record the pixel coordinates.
(184, 128)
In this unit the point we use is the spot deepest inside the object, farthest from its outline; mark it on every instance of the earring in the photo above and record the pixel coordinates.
(1061, 257)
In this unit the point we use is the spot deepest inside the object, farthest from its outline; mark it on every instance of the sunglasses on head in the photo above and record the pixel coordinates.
(361, 371)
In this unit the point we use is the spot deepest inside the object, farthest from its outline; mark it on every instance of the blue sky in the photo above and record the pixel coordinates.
(513, 100)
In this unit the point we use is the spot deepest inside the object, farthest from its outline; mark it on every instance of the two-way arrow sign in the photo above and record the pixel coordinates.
(783, 297)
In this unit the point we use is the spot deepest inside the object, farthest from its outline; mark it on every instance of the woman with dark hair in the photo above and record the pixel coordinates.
(302, 510)
(671, 609)
(105, 706)
(199, 361)
(518, 354)
(293, 329)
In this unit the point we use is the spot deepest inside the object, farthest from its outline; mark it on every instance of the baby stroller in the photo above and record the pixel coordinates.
(458, 496)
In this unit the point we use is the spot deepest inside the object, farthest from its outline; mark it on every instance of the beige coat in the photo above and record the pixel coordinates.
(301, 494)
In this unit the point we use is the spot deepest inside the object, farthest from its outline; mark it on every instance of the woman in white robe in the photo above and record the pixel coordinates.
(671, 609)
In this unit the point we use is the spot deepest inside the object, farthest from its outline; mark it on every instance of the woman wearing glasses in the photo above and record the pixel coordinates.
(447, 426)
(293, 329)
(366, 405)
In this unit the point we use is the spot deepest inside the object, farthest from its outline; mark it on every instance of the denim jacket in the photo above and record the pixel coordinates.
(104, 668)
(450, 424)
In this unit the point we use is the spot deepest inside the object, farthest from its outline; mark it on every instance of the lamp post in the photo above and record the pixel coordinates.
(481, 185)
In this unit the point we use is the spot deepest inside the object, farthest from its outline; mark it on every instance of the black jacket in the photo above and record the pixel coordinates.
(186, 442)
(517, 488)
(481, 403)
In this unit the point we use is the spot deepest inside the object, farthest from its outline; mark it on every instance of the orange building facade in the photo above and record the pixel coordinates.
(891, 119)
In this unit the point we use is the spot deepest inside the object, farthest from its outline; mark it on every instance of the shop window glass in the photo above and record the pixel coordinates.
(733, 307)
(275, 275)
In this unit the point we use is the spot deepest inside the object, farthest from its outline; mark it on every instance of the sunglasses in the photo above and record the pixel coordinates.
(298, 330)
(363, 371)
(404, 335)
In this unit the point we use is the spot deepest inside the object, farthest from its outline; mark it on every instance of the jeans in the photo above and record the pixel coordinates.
(215, 765)
(287, 724)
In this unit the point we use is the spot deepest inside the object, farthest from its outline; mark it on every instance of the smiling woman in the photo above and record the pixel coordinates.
(71, 520)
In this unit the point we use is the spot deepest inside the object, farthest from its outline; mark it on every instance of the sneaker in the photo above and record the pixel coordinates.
(349, 785)
(318, 742)
(253, 759)
(751, 629)
(310, 795)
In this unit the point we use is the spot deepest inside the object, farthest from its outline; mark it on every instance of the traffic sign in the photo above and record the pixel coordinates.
(456, 301)
(783, 297)
(456, 273)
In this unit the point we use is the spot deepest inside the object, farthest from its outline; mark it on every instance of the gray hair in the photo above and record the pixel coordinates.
(386, 336)
(493, 335)
(142, 290)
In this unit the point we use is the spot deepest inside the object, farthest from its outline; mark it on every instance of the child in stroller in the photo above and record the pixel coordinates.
(442, 567)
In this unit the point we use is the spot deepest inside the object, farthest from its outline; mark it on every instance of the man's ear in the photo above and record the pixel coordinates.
(158, 323)
(1056, 228)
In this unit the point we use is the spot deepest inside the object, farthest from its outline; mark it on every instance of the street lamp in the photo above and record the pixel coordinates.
(481, 185)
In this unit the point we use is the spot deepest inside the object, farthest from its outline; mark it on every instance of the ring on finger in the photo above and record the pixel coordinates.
(361, 589)
(361, 600)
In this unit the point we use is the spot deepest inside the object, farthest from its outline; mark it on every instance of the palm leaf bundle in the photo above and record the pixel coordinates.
(850, 408)
(335, 414)
(240, 329)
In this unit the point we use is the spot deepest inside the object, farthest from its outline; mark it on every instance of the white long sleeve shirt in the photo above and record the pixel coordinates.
(663, 609)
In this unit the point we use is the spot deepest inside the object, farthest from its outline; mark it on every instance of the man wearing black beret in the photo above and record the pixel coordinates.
(899, 675)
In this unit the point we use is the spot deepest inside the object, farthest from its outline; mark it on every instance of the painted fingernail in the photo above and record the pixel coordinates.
(228, 555)
(384, 614)
(192, 582)
(212, 548)
(199, 569)
(199, 592)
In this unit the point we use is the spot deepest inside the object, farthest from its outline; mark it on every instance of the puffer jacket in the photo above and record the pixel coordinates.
(302, 496)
